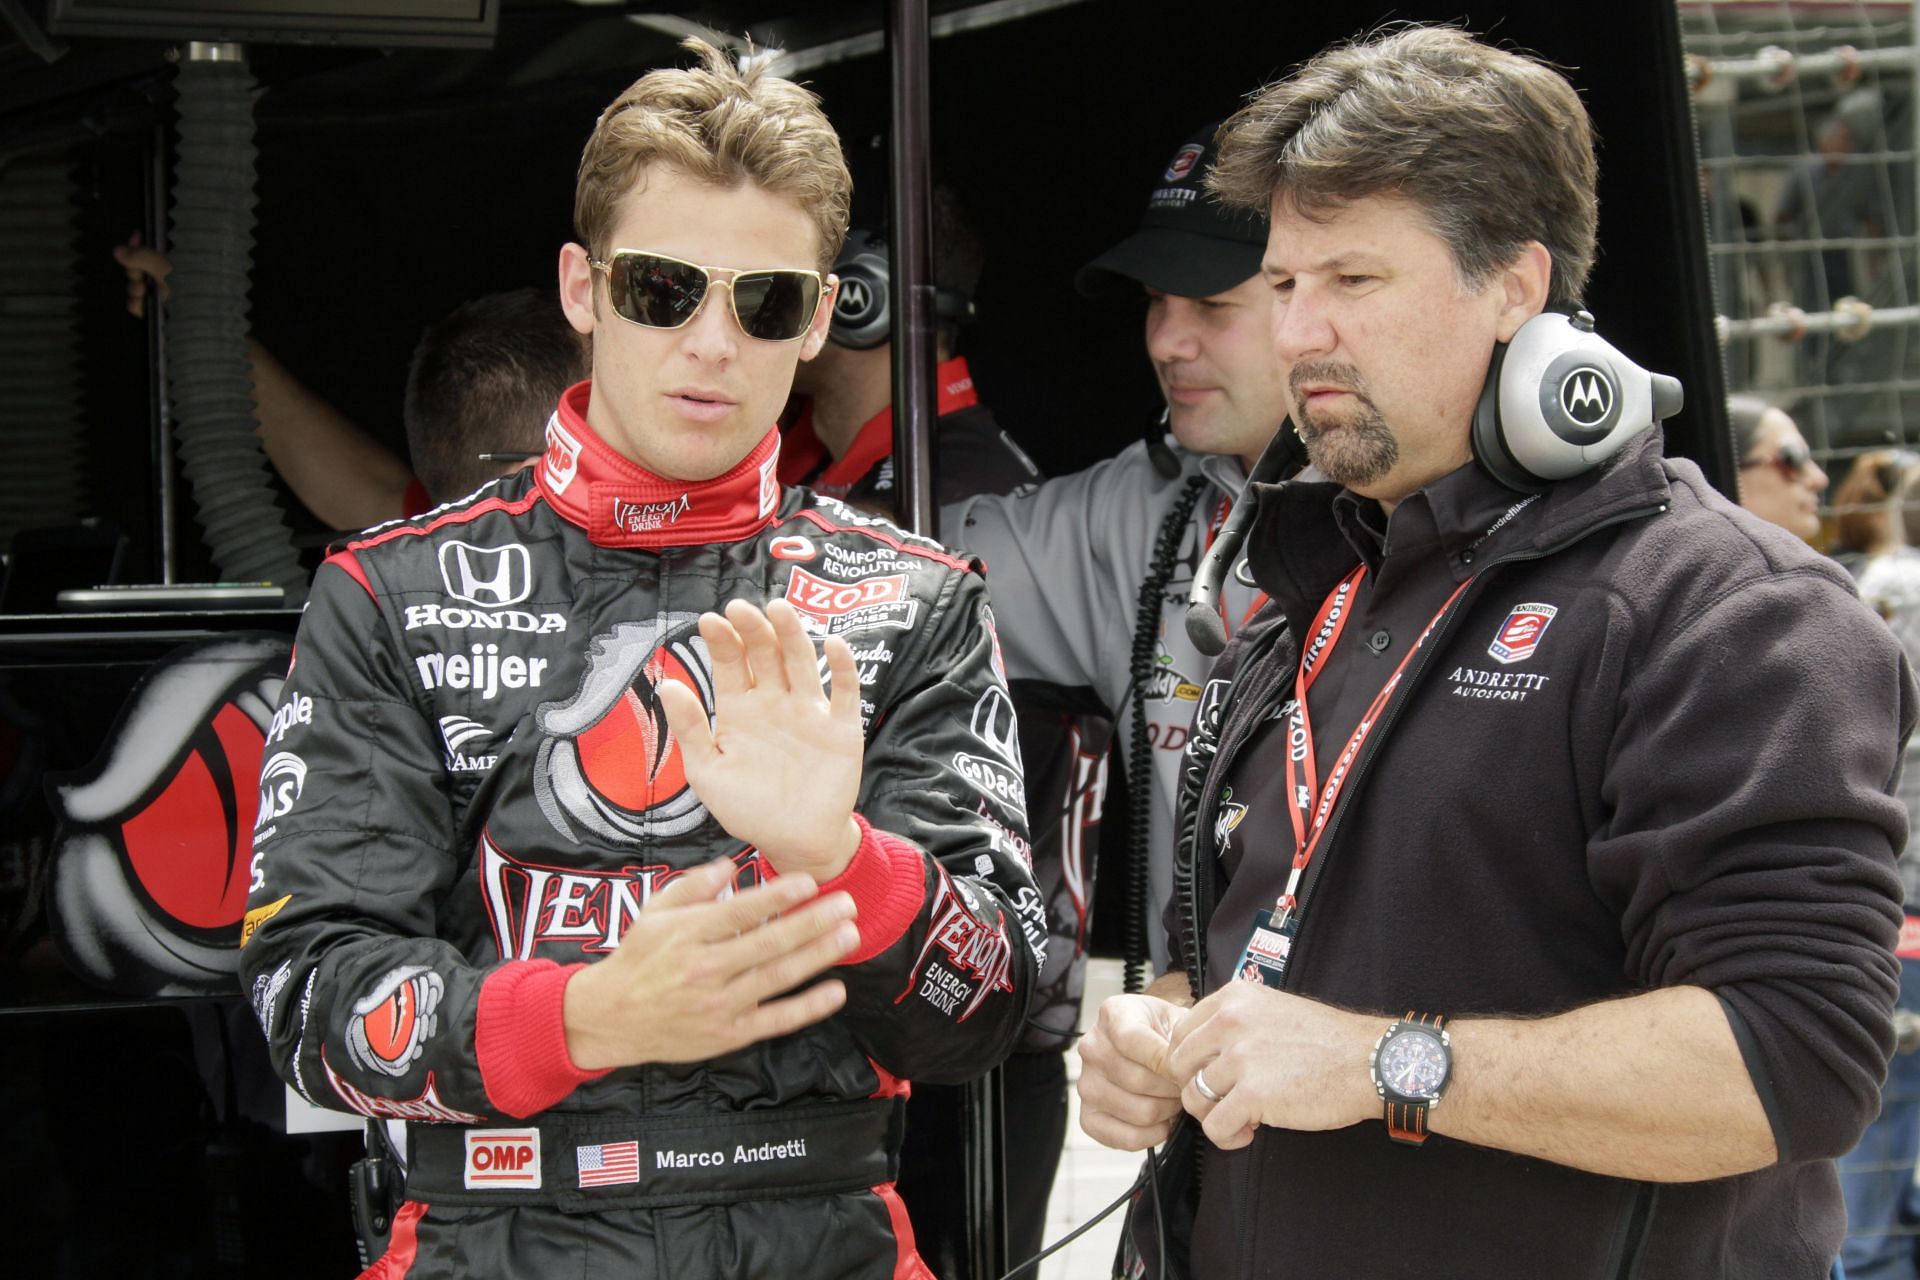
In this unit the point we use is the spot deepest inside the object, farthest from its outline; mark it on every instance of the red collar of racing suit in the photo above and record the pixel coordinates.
(803, 453)
(622, 504)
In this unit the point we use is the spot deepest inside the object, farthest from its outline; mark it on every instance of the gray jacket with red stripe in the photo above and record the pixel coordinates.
(469, 790)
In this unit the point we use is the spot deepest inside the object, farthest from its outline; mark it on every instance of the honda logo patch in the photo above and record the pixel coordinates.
(491, 577)
(1520, 634)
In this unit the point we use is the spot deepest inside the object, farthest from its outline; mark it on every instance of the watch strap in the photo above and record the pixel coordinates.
(1407, 1118)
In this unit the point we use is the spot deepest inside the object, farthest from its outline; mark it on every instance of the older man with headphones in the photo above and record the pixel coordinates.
(1540, 904)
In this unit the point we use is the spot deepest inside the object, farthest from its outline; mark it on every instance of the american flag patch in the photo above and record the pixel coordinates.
(608, 1164)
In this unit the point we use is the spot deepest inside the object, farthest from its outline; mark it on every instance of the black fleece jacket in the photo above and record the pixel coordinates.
(1684, 781)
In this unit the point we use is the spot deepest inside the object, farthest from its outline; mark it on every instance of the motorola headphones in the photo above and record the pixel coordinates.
(863, 309)
(1559, 400)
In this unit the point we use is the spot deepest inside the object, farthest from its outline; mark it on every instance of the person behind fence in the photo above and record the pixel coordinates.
(1779, 480)
(589, 849)
(481, 384)
(1871, 509)
(1553, 828)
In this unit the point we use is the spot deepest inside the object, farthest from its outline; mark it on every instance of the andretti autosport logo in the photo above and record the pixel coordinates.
(608, 764)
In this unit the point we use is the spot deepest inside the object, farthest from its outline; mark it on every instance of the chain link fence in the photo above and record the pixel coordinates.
(1805, 117)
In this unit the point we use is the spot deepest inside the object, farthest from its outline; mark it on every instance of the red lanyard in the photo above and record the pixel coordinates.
(1310, 817)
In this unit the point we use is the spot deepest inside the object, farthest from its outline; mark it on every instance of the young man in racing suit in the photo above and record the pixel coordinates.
(554, 852)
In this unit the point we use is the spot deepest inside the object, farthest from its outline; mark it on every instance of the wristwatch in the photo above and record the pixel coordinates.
(1412, 1061)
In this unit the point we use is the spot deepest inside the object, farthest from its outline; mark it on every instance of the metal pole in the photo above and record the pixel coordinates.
(157, 394)
(910, 264)
(910, 268)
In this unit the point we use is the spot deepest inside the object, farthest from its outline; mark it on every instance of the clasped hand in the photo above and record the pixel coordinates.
(1270, 1058)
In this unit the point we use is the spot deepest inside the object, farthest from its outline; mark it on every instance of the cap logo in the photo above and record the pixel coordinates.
(1183, 161)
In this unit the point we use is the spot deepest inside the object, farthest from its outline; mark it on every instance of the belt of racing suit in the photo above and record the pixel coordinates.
(694, 1159)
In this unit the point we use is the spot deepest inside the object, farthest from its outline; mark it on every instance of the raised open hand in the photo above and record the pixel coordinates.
(779, 767)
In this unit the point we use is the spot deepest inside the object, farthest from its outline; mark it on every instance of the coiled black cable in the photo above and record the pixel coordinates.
(1146, 632)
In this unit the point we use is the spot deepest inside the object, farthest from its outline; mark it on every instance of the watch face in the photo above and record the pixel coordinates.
(1413, 1064)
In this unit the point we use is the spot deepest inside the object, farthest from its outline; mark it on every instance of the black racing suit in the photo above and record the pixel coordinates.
(469, 789)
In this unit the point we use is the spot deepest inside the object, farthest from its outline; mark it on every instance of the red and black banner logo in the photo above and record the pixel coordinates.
(153, 852)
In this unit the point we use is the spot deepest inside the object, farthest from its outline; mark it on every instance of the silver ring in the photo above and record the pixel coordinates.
(1206, 1090)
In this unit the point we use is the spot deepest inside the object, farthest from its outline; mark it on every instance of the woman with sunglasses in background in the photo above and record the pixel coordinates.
(1779, 480)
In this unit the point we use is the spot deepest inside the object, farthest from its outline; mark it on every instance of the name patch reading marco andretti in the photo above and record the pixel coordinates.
(836, 608)
(965, 959)
(530, 905)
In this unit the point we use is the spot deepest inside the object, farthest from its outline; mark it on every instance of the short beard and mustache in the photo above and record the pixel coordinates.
(1352, 450)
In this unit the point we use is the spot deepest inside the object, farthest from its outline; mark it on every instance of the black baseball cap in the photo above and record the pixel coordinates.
(1188, 244)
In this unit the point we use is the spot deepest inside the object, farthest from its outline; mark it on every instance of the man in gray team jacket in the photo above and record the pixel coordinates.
(1067, 561)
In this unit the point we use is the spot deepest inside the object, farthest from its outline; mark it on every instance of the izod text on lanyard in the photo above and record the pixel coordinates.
(1265, 957)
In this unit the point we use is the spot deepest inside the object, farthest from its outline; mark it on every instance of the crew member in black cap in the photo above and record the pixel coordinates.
(1070, 562)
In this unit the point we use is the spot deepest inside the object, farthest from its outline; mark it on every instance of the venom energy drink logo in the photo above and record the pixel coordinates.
(607, 762)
